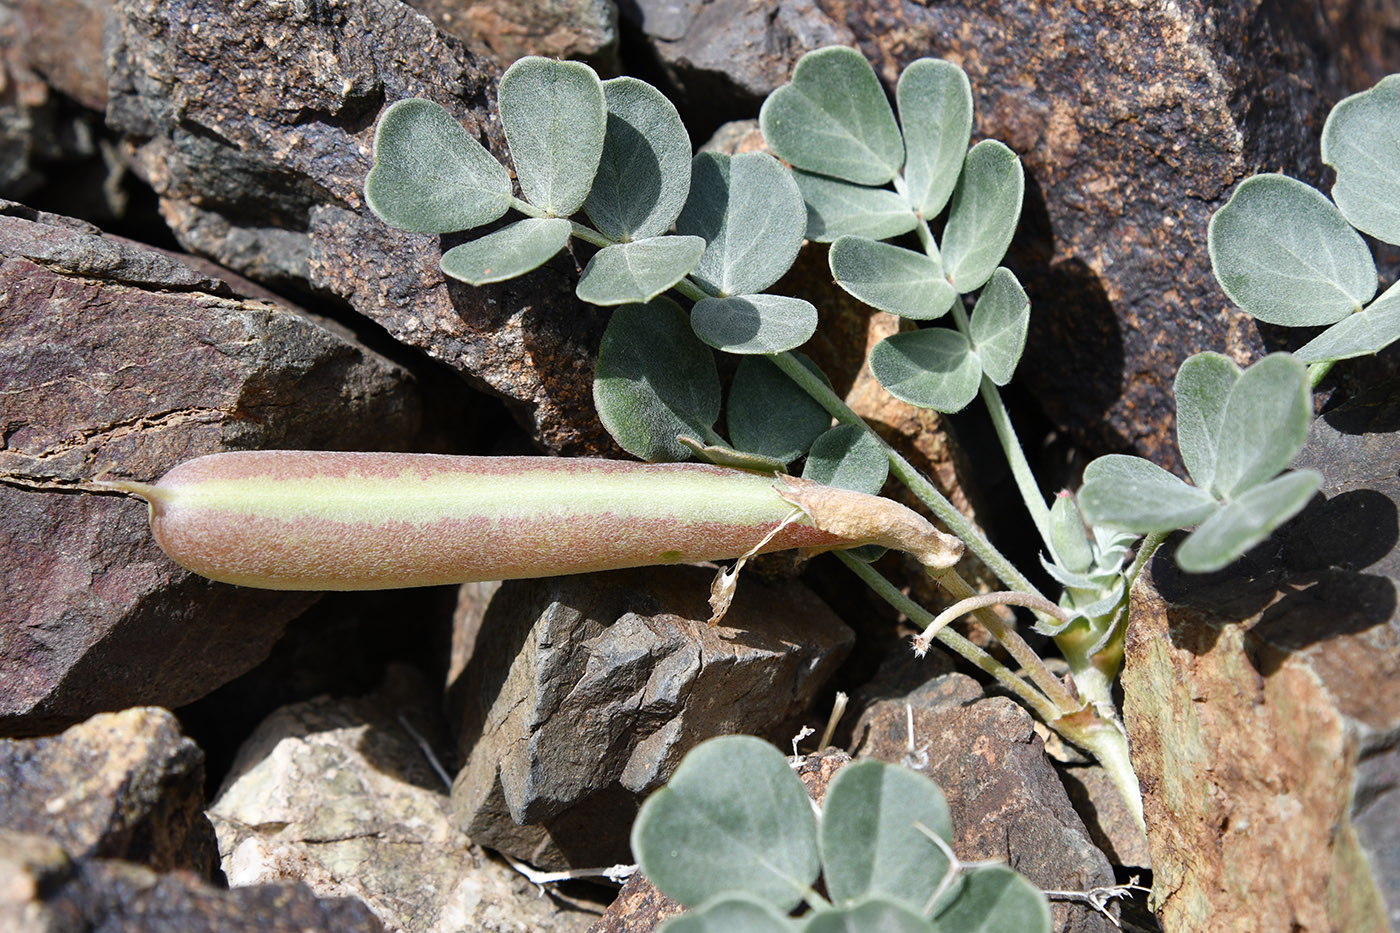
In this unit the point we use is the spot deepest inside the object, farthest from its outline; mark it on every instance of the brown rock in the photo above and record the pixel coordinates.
(583, 693)
(1006, 801)
(116, 357)
(336, 794)
(62, 41)
(122, 785)
(254, 124)
(1263, 707)
(508, 29)
(43, 891)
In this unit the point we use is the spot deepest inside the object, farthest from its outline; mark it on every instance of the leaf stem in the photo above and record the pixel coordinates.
(1318, 371)
(1016, 457)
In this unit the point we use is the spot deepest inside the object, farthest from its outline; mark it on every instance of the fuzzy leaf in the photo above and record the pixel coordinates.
(729, 913)
(1264, 424)
(1361, 140)
(510, 251)
(1359, 334)
(1067, 534)
(869, 844)
(986, 208)
(834, 119)
(891, 278)
(935, 112)
(754, 323)
(638, 271)
(847, 457)
(1285, 254)
(555, 117)
(999, 324)
(644, 174)
(430, 175)
(1137, 495)
(749, 212)
(655, 380)
(733, 818)
(994, 899)
(769, 414)
(875, 916)
(1242, 524)
(931, 368)
(838, 208)
(1202, 388)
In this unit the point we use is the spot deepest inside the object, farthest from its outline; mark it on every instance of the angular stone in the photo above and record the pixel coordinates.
(583, 693)
(1006, 801)
(1263, 706)
(117, 358)
(336, 794)
(509, 29)
(255, 123)
(43, 891)
(122, 785)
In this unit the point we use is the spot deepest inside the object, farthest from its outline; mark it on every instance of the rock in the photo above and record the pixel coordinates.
(43, 891)
(1134, 123)
(114, 357)
(583, 29)
(254, 124)
(1263, 706)
(1006, 801)
(337, 794)
(122, 785)
(583, 693)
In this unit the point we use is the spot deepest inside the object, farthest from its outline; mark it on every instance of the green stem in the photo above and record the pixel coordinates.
(1318, 371)
(1016, 457)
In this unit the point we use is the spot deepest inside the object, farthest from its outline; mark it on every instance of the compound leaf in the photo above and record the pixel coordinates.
(1243, 523)
(935, 112)
(729, 913)
(754, 323)
(1359, 334)
(555, 117)
(848, 457)
(869, 842)
(638, 271)
(837, 208)
(931, 368)
(430, 175)
(834, 119)
(769, 414)
(655, 380)
(1285, 254)
(1202, 388)
(733, 818)
(891, 278)
(508, 252)
(1361, 140)
(1137, 495)
(644, 173)
(749, 212)
(986, 208)
(994, 899)
(874, 916)
(999, 324)
(1264, 424)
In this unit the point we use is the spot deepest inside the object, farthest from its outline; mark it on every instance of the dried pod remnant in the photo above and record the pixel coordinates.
(310, 520)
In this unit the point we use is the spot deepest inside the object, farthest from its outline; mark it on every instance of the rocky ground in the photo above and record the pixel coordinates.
(187, 265)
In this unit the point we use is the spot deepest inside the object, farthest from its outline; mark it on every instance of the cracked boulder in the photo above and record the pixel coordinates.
(1263, 705)
(116, 358)
(254, 123)
(337, 794)
(582, 694)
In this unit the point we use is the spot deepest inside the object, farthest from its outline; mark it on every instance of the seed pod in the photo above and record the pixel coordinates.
(310, 520)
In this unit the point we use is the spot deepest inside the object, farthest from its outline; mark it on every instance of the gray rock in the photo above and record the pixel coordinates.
(42, 890)
(1006, 801)
(113, 357)
(335, 793)
(122, 785)
(583, 693)
(254, 123)
(1263, 705)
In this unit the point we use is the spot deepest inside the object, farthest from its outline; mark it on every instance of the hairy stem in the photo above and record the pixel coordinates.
(1016, 457)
